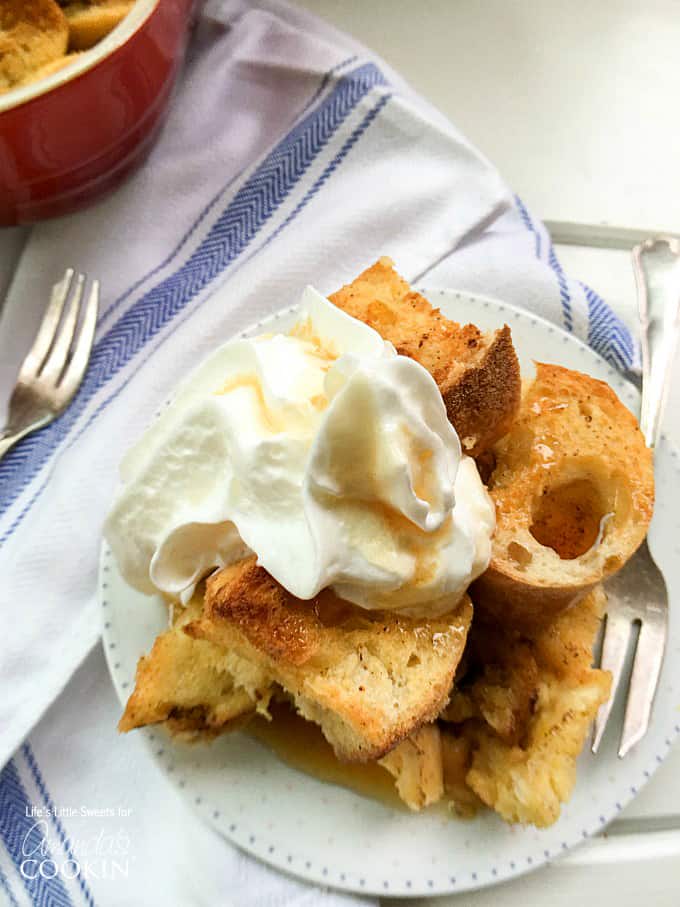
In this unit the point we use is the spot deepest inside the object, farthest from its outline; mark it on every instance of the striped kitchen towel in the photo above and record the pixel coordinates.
(291, 156)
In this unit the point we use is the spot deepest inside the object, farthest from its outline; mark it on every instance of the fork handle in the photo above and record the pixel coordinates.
(656, 263)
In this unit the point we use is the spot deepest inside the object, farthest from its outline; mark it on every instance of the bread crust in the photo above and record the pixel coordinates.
(477, 374)
(483, 401)
(571, 429)
(513, 600)
(369, 679)
(191, 687)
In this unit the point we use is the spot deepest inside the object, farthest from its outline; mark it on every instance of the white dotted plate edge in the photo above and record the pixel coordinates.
(333, 837)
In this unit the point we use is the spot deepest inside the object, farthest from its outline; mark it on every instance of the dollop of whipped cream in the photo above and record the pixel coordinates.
(325, 453)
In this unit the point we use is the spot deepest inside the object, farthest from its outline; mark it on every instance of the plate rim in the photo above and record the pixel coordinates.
(479, 880)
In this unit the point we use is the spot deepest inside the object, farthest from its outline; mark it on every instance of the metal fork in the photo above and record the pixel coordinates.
(51, 373)
(637, 594)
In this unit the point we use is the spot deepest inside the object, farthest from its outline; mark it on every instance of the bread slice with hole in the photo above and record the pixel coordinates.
(477, 373)
(32, 35)
(573, 486)
(192, 687)
(368, 679)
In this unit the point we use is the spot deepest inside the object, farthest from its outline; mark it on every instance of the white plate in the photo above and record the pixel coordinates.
(338, 838)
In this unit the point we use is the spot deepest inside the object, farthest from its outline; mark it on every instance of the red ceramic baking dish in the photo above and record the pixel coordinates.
(69, 138)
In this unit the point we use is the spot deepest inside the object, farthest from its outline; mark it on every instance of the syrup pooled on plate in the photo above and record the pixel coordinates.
(301, 745)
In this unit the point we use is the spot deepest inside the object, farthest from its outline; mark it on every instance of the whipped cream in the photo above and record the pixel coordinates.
(325, 453)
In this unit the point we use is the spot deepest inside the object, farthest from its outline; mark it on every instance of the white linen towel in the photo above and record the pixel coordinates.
(291, 156)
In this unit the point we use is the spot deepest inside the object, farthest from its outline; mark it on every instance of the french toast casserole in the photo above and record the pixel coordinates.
(478, 691)
(40, 37)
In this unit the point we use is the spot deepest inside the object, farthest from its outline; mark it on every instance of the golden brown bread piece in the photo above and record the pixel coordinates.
(417, 768)
(518, 721)
(501, 686)
(90, 22)
(33, 33)
(573, 486)
(50, 68)
(477, 374)
(191, 686)
(509, 737)
(369, 679)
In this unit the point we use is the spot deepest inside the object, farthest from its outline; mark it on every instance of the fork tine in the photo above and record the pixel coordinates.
(614, 646)
(48, 327)
(643, 682)
(58, 355)
(82, 346)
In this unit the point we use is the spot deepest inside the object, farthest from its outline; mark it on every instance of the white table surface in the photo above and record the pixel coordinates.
(576, 104)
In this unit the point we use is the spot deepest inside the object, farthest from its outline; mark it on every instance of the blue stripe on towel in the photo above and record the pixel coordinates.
(7, 888)
(115, 305)
(606, 332)
(326, 79)
(331, 167)
(529, 224)
(565, 297)
(23, 837)
(49, 803)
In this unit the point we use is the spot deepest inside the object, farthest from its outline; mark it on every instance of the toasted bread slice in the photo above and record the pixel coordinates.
(193, 687)
(477, 374)
(89, 22)
(573, 487)
(513, 731)
(32, 35)
(369, 679)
